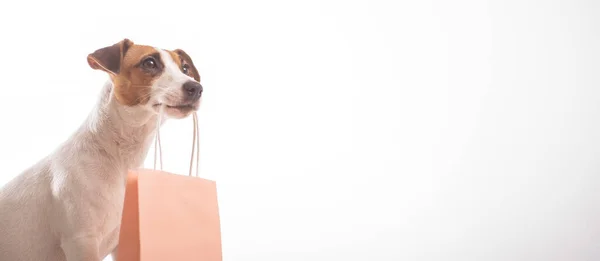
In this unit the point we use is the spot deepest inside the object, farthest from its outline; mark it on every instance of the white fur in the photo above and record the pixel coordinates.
(67, 207)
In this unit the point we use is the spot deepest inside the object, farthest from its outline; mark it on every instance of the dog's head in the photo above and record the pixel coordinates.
(150, 77)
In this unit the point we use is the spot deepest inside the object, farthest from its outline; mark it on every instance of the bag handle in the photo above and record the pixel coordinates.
(195, 144)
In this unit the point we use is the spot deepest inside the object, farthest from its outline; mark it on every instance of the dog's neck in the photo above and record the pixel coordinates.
(124, 132)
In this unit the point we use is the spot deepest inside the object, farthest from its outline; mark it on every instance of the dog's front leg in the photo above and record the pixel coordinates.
(79, 226)
(81, 248)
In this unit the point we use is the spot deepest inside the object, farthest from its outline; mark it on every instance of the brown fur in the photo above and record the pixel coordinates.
(132, 84)
(186, 59)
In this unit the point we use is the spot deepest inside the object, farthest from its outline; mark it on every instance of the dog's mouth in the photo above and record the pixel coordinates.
(179, 107)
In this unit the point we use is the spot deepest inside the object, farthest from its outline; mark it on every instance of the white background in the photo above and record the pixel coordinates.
(349, 130)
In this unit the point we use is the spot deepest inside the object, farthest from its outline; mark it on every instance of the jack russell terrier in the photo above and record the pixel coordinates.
(67, 207)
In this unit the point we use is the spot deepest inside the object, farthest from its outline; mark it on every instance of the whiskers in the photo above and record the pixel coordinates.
(158, 94)
(168, 94)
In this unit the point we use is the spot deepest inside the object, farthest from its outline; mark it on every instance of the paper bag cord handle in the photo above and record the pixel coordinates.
(157, 145)
(195, 144)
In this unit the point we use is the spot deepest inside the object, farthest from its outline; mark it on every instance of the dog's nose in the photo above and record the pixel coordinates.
(192, 90)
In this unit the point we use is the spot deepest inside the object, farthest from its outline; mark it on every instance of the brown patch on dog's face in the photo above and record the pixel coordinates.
(151, 77)
(132, 68)
(187, 65)
(141, 67)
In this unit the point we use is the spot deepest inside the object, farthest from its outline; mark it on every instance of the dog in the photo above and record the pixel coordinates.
(68, 206)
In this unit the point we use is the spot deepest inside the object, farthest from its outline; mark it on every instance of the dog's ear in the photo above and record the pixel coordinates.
(109, 58)
(185, 57)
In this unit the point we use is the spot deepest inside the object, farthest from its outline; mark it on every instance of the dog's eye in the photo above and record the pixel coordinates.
(185, 68)
(149, 63)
